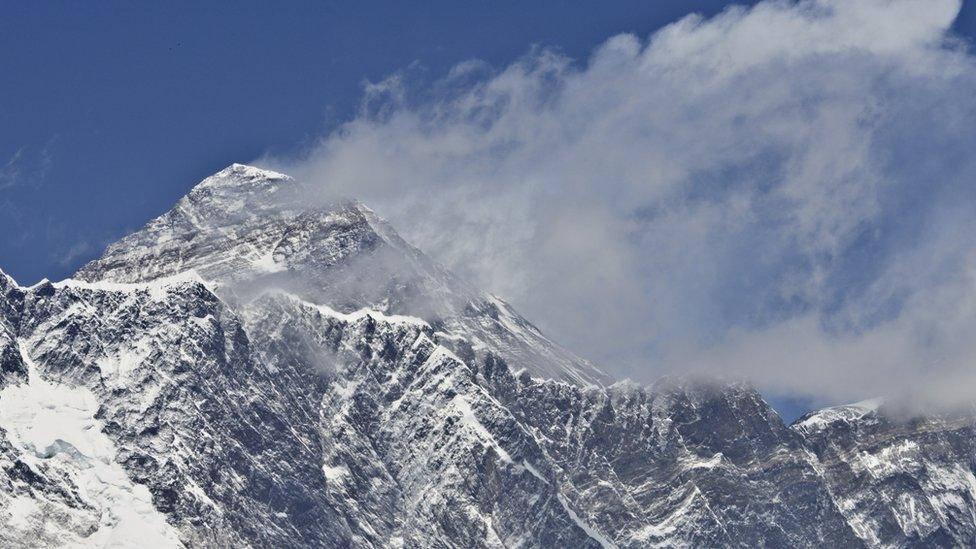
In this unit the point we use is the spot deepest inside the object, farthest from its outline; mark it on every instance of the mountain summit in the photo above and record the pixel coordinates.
(249, 370)
(249, 232)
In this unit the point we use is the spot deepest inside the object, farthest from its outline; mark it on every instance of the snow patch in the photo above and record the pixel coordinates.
(197, 492)
(688, 464)
(117, 367)
(336, 473)
(347, 391)
(356, 316)
(470, 420)
(533, 471)
(590, 531)
(266, 263)
(21, 509)
(157, 289)
(669, 525)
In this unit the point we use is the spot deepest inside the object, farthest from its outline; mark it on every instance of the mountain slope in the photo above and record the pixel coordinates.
(245, 371)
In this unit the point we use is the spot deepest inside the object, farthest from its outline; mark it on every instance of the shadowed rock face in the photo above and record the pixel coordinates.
(244, 372)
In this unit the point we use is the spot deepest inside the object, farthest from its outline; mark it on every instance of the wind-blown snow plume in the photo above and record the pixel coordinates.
(784, 192)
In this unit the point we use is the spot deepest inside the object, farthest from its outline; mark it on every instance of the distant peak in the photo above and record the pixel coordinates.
(819, 420)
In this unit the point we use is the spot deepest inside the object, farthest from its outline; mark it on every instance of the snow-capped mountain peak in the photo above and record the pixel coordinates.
(251, 371)
(245, 172)
(248, 230)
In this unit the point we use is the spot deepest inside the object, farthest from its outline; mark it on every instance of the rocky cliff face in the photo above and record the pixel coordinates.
(898, 483)
(248, 371)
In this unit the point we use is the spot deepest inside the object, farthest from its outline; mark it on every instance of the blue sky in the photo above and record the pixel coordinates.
(782, 192)
(110, 111)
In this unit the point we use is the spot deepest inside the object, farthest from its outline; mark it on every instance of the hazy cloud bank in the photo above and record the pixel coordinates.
(785, 192)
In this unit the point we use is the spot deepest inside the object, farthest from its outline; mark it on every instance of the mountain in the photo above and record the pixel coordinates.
(247, 230)
(250, 370)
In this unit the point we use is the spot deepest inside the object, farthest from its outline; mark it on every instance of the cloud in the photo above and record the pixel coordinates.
(25, 169)
(783, 192)
(77, 250)
(10, 172)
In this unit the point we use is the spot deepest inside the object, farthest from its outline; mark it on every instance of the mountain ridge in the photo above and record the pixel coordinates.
(280, 409)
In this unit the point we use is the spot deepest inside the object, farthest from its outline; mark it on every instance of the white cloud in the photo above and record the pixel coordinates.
(9, 172)
(24, 168)
(783, 192)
